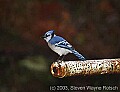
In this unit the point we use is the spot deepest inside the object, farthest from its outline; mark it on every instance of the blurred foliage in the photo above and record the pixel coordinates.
(35, 63)
(91, 26)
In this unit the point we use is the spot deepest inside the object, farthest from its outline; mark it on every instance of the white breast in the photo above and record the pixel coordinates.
(60, 51)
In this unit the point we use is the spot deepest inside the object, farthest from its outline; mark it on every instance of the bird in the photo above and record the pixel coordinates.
(60, 45)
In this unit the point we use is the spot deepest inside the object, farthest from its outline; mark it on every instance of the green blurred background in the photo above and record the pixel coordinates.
(91, 26)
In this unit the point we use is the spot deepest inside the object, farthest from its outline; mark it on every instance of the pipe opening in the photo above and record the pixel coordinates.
(55, 70)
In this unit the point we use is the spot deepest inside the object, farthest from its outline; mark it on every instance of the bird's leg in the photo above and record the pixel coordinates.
(58, 58)
(62, 57)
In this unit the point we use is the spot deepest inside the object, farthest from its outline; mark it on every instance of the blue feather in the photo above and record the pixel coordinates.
(56, 39)
(78, 55)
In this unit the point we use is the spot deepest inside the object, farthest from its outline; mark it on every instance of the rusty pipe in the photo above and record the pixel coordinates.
(71, 68)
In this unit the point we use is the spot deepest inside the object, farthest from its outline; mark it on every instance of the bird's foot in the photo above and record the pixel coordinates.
(59, 61)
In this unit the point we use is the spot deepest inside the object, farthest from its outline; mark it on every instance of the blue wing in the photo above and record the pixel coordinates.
(56, 39)
(60, 42)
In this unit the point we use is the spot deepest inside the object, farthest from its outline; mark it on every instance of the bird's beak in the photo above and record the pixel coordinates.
(43, 36)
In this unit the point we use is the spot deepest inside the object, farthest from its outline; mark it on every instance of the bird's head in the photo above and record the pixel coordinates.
(48, 35)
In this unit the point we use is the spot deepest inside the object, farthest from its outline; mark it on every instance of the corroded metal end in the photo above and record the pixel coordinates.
(58, 69)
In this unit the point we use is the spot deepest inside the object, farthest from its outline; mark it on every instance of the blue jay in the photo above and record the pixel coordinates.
(60, 45)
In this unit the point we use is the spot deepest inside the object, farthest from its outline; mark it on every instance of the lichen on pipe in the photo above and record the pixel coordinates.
(71, 68)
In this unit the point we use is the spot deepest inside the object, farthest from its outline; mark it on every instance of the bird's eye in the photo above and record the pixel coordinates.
(47, 35)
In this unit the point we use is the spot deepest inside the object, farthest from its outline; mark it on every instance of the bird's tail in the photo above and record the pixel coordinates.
(78, 55)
